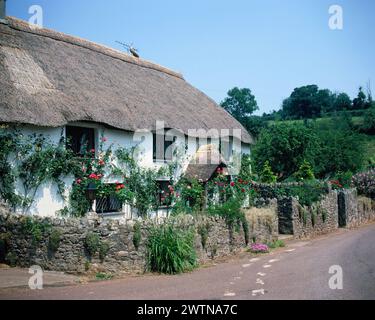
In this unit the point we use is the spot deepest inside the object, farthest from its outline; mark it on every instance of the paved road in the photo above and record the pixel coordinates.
(299, 271)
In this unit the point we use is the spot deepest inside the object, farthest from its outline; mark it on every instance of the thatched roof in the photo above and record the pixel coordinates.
(51, 79)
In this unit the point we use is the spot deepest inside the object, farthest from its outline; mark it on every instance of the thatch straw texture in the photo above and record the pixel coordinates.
(51, 79)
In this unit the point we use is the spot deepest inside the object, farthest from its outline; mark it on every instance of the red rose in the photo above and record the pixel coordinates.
(243, 190)
(78, 181)
(92, 150)
(232, 184)
(94, 176)
(101, 162)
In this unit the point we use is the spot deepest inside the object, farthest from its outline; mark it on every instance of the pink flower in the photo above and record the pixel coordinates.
(78, 181)
(92, 150)
(94, 176)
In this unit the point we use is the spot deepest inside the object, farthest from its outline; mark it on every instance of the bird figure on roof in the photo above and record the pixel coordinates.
(133, 51)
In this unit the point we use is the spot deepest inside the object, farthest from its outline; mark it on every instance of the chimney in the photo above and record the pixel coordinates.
(2, 10)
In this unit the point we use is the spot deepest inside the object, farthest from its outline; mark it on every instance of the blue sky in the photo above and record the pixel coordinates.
(269, 46)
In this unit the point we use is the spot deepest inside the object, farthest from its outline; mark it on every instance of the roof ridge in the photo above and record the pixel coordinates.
(21, 25)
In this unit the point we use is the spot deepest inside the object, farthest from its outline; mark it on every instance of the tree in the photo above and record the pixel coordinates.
(340, 149)
(360, 102)
(267, 175)
(240, 103)
(254, 124)
(285, 146)
(341, 102)
(369, 121)
(307, 102)
(304, 172)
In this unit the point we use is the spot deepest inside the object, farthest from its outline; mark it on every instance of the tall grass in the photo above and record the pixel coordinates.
(170, 250)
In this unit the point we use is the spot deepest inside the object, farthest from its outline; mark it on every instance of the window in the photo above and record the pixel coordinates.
(108, 204)
(80, 140)
(162, 150)
(164, 193)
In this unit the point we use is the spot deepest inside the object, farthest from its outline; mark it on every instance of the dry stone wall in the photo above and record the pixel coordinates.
(25, 242)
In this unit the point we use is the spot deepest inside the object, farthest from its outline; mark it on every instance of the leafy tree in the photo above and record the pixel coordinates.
(360, 102)
(339, 150)
(341, 102)
(304, 172)
(267, 175)
(285, 146)
(307, 102)
(254, 124)
(240, 103)
(369, 121)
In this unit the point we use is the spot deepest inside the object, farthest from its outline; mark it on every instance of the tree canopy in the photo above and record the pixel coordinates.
(240, 103)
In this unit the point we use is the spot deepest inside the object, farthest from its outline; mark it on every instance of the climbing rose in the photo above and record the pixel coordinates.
(79, 181)
(101, 162)
(94, 176)
(232, 184)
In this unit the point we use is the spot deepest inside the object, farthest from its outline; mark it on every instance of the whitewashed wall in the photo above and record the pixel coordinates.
(47, 201)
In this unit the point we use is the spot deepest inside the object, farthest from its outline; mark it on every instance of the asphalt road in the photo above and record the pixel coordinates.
(298, 271)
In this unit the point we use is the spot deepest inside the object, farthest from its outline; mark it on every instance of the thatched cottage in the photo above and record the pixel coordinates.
(55, 84)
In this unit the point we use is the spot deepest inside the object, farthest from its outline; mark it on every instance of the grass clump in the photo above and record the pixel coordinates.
(54, 240)
(170, 250)
(103, 276)
(276, 244)
(92, 243)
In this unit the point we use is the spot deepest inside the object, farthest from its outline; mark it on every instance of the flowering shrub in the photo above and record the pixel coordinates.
(189, 197)
(365, 183)
(259, 248)
(336, 184)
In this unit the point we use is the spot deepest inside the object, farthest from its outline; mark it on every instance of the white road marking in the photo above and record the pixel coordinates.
(273, 260)
(246, 265)
(237, 278)
(256, 292)
(231, 282)
(254, 259)
(290, 250)
(267, 266)
(261, 274)
(260, 281)
(229, 294)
